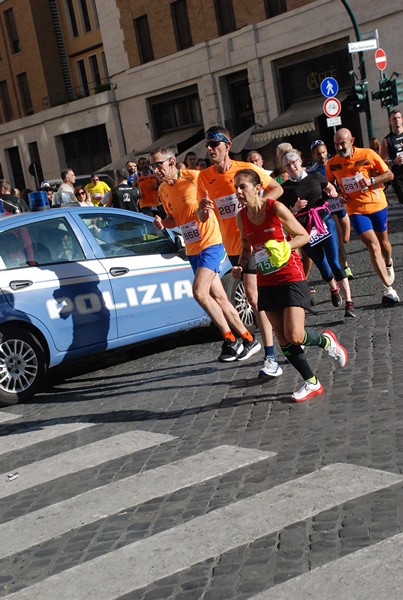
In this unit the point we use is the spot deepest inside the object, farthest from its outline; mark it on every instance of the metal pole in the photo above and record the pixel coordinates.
(363, 74)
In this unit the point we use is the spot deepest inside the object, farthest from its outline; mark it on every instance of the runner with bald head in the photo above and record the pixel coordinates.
(361, 173)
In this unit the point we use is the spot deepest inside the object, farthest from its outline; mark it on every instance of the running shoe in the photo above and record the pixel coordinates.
(230, 350)
(391, 272)
(336, 298)
(349, 311)
(249, 349)
(308, 390)
(270, 368)
(335, 349)
(312, 289)
(390, 297)
(349, 273)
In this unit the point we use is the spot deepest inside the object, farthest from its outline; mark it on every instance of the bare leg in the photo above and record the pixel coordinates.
(370, 239)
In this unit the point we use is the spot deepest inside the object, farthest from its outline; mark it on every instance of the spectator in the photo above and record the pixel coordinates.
(82, 196)
(97, 190)
(148, 185)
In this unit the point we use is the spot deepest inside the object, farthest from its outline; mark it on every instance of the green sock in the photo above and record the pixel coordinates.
(313, 380)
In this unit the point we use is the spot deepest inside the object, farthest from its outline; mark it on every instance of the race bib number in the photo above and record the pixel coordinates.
(334, 204)
(316, 238)
(228, 206)
(264, 264)
(351, 185)
(191, 232)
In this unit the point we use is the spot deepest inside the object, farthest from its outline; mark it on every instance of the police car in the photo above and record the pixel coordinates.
(77, 281)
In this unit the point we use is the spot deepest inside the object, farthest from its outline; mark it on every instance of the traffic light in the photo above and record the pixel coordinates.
(396, 91)
(358, 96)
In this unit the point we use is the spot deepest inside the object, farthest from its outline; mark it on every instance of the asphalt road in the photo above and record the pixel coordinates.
(156, 472)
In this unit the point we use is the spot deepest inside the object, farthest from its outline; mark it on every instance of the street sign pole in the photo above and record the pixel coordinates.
(363, 74)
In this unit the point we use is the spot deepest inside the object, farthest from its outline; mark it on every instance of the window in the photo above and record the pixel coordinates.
(275, 7)
(12, 31)
(82, 77)
(85, 17)
(225, 16)
(46, 242)
(143, 37)
(72, 18)
(177, 110)
(95, 74)
(25, 94)
(5, 101)
(95, 13)
(181, 25)
(127, 236)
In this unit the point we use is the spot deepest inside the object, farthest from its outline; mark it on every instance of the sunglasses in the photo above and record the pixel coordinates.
(317, 143)
(159, 163)
(80, 194)
(213, 143)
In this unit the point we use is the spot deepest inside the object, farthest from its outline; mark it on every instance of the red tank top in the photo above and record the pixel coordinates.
(272, 229)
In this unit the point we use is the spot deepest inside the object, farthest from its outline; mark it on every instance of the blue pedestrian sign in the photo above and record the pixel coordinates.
(329, 87)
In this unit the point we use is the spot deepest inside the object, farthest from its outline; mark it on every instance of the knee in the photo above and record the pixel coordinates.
(295, 338)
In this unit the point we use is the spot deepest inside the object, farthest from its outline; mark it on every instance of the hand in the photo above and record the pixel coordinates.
(205, 202)
(343, 199)
(399, 160)
(158, 224)
(299, 205)
(237, 272)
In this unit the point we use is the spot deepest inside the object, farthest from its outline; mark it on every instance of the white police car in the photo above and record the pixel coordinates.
(76, 281)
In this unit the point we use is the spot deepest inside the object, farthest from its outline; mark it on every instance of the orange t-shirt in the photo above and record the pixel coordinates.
(220, 188)
(180, 201)
(370, 164)
(148, 185)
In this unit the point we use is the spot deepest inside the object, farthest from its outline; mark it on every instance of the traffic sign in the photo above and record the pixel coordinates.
(333, 121)
(380, 59)
(329, 87)
(332, 107)
(363, 46)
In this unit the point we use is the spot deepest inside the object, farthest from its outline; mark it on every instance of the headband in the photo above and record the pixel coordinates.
(217, 136)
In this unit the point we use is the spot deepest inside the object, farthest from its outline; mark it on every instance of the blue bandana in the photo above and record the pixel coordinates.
(216, 136)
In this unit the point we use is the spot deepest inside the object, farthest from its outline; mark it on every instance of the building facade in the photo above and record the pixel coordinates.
(166, 70)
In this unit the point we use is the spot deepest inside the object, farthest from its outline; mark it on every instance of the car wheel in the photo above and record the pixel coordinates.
(235, 291)
(22, 365)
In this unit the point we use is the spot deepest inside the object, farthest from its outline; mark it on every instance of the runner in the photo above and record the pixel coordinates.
(283, 290)
(361, 173)
(215, 190)
(178, 194)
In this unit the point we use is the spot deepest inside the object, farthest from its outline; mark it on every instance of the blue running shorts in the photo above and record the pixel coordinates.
(378, 221)
(210, 258)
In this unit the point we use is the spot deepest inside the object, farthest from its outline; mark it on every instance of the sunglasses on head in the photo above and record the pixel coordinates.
(317, 143)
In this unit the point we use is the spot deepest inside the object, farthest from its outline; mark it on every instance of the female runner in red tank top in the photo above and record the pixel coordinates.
(282, 289)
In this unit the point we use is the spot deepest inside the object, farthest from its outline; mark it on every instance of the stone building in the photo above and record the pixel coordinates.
(168, 69)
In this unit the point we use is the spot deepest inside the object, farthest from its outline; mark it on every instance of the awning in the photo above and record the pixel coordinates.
(199, 149)
(243, 141)
(299, 118)
(171, 140)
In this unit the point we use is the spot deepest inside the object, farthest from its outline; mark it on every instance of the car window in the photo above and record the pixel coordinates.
(121, 236)
(46, 242)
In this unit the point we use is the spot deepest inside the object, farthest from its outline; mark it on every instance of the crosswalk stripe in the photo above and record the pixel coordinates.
(4, 417)
(368, 574)
(80, 458)
(43, 432)
(141, 563)
(59, 518)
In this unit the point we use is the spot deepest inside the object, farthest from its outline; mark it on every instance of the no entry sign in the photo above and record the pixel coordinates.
(380, 59)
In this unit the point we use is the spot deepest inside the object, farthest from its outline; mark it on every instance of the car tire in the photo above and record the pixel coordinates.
(235, 291)
(22, 365)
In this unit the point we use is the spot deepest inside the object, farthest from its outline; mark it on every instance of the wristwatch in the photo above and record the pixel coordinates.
(372, 180)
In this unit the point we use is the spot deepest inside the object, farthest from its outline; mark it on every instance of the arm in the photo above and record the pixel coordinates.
(205, 207)
(168, 222)
(109, 200)
(246, 250)
(300, 236)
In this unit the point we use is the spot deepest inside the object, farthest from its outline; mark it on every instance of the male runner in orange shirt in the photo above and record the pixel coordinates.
(178, 194)
(148, 186)
(215, 190)
(361, 173)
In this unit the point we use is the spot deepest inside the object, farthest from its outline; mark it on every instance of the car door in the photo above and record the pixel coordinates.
(47, 278)
(151, 282)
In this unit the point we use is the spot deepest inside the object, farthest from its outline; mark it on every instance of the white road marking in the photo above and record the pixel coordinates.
(373, 573)
(75, 460)
(43, 432)
(4, 417)
(147, 561)
(59, 518)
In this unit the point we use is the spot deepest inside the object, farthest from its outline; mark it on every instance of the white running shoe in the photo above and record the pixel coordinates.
(390, 297)
(308, 390)
(270, 368)
(391, 272)
(335, 349)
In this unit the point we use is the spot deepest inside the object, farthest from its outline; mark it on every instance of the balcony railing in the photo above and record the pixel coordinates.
(77, 93)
